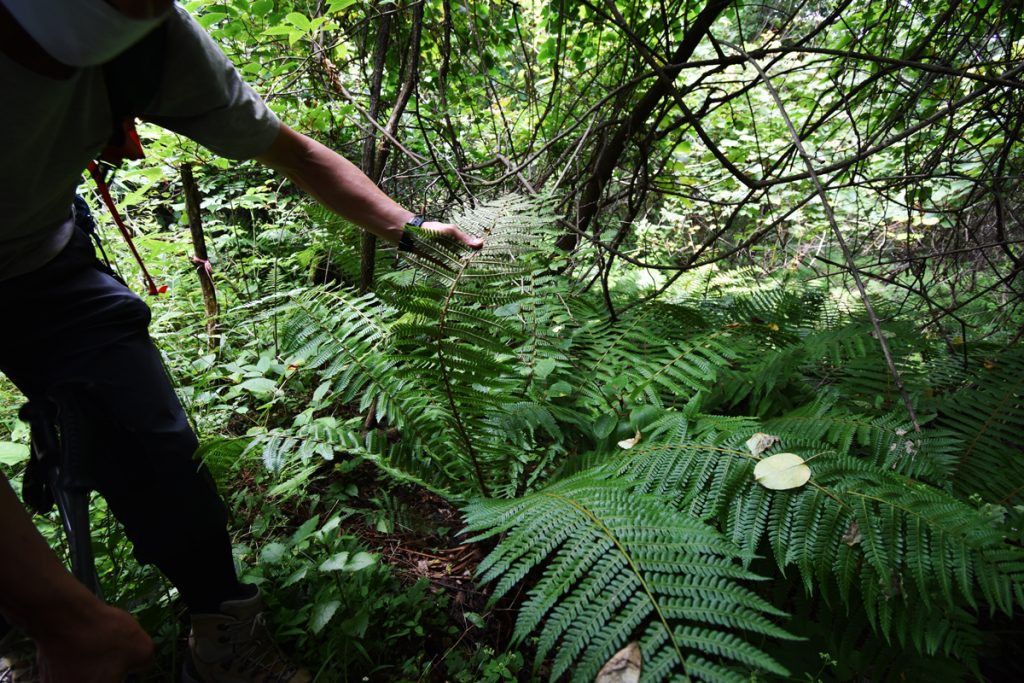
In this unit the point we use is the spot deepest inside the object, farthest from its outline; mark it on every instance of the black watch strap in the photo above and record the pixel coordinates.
(407, 242)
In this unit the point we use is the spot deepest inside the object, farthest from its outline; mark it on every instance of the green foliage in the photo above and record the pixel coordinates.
(984, 412)
(651, 529)
(619, 564)
(501, 378)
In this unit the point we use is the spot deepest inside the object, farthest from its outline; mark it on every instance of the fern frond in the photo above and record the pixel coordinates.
(618, 566)
(854, 523)
(987, 413)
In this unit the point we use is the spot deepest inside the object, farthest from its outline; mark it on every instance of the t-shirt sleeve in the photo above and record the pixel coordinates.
(203, 97)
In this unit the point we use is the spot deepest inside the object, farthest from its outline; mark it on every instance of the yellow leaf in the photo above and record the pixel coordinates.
(629, 443)
(782, 471)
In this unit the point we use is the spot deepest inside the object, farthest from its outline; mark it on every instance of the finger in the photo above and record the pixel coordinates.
(469, 240)
(452, 231)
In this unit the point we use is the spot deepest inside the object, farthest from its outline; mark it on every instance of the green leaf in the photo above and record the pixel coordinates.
(306, 530)
(323, 612)
(12, 453)
(209, 19)
(258, 385)
(336, 563)
(355, 626)
(361, 560)
(544, 368)
(475, 619)
(261, 8)
(272, 552)
(559, 389)
(296, 576)
(605, 425)
(298, 20)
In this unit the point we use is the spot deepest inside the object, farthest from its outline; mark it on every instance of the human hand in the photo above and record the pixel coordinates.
(453, 232)
(112, 647)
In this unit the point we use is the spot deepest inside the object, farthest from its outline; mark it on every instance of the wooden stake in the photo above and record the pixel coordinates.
(201, 257)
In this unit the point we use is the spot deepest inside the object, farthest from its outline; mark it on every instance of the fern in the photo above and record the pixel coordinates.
(498, 376)
(987, 413)
(854, 524)
(621, 566)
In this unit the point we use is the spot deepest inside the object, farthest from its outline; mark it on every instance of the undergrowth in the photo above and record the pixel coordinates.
(604, 468)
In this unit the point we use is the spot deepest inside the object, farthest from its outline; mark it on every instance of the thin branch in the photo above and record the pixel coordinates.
(847, 255)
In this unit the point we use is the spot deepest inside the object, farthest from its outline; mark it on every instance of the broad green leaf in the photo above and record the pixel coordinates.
(210, 18)
(258, 385)
(559, 389)
(322, 614)
(12, 453)
(296, 576)
(298, 20)
(544, 368)
(272, 552)
(360, 560)
(261, 8)
(306, 530)
(336, 563)
(605, 425)
(355, 626)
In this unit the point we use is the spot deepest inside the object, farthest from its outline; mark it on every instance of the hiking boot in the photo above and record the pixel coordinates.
(235, 646)
(17, 659)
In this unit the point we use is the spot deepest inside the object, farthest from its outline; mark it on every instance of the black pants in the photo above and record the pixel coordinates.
(71, 321)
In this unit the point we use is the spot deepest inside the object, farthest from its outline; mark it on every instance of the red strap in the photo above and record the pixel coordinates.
(129, 148)
(204, 264)
(101, 184)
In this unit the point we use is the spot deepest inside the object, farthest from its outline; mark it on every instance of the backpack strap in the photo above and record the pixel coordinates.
(132, 79)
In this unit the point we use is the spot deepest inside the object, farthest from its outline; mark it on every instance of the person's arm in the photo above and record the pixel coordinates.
(79, 637)
(340, 186)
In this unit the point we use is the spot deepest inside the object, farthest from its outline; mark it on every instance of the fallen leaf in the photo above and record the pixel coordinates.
(623, 667)
(761, 442)
(782, 471)
(851, 536)
(629, 443)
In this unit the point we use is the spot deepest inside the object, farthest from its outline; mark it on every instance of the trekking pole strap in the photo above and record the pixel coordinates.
(101, 185)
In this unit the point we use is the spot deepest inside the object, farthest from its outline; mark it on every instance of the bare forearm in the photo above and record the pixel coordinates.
(336, 183)
(33, 582)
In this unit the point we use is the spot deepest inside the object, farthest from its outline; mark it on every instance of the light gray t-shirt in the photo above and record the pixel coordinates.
(51, 128)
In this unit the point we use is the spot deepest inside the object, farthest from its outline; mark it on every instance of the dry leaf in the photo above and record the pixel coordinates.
(851, 536)
(629, 443)
(782, 471)
(761, 442)
(623, 667)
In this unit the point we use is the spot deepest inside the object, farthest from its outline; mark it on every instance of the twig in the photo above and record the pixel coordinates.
(847, 255)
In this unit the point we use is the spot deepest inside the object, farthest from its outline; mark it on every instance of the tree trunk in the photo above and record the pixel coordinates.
(375, 159)
(607, 156)
(368, 253)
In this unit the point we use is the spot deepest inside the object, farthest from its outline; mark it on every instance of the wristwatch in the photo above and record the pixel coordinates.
(406, 242)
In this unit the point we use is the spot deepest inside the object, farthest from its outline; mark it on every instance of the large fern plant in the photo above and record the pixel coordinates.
(610, 461)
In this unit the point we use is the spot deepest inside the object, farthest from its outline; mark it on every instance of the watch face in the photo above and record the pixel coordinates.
(415, 221)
